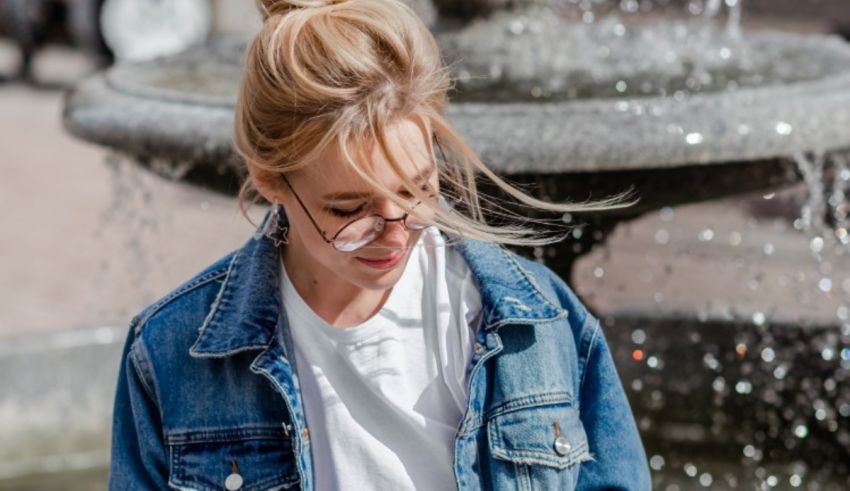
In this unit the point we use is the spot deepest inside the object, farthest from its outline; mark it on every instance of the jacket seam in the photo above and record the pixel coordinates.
(188, 287)
(593, 338)
(530, 280)
(142, 369)
(214, 307)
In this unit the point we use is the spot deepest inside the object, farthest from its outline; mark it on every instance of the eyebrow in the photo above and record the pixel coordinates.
(352, 195)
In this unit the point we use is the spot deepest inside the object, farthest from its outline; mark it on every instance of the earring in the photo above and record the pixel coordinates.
(276, 227)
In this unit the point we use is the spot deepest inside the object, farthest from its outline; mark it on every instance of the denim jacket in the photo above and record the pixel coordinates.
(208, 390)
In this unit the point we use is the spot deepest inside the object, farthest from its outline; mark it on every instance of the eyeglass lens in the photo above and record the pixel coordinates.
(364, 230)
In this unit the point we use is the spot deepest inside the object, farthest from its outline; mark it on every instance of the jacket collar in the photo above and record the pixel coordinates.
(244, 315)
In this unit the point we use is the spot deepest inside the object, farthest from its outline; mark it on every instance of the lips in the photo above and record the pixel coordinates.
(384, 262)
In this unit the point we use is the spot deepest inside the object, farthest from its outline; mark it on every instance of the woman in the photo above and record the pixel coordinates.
(373, 334)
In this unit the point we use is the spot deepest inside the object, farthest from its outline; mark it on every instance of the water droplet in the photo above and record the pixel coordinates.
(719, 384)
(638, 336)
(621, 86)
(801, 431)
(816, 245)
(705, 479)
(749, 451)
(743, 129)
(652, 362)
(690, 469)
(743, 387)
(666, 214)
(827, 354)
(694, 138)
(706, 235)
(825, 285)
(795, 480)
(784, 128)
(768, 354)
(769, 249)
(598, 272)
(662, 236)
(656, 462)
(759, 318)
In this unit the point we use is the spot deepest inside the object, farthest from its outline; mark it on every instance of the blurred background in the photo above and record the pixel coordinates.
(724, 295)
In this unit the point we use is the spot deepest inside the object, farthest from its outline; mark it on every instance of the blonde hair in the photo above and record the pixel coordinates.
(324, 72)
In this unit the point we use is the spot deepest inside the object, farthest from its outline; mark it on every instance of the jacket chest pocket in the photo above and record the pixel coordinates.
(538, 447)
(244, 459)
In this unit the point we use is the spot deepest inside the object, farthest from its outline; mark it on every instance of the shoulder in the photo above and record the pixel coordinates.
(584, 325)
(177, 315)
(552, 285)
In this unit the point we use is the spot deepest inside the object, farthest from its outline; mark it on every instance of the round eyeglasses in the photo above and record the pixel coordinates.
(362, 231)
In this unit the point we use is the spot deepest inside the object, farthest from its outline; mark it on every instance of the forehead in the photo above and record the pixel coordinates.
(410, 143)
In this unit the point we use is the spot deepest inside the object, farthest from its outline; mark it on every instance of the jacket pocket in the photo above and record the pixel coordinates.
(538, 447)
(203, 460)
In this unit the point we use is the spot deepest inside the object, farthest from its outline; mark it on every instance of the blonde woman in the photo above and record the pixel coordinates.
(373, 333)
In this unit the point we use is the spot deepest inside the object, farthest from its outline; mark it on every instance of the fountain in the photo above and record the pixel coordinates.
(578, 96)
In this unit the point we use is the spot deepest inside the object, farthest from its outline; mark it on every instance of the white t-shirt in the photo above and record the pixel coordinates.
(383, 399)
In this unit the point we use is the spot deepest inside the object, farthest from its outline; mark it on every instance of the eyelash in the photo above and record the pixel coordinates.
(347, 213)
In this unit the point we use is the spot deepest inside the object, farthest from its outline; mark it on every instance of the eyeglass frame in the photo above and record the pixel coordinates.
(331, 241)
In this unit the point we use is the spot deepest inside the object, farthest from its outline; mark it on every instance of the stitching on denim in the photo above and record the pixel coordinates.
(214, 307)
(530, 457)
(141, 372)
(209, 435)
(156, 307)
(595, 335)
(535, 400)
(523, 476)
(512, 405)
(531, 281)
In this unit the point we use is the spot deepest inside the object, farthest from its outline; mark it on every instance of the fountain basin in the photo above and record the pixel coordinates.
(176, 113)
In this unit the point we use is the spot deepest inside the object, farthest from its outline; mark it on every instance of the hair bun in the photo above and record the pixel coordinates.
(281, 7)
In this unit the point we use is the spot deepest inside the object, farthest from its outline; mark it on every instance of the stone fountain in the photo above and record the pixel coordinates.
(580, 99)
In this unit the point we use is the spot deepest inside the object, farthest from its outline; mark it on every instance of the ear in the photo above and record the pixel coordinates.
(269, 184)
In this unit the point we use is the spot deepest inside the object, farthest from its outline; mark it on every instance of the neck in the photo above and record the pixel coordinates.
(338, 302)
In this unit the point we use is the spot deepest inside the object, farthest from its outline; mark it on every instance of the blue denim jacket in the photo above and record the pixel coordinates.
(208, 387)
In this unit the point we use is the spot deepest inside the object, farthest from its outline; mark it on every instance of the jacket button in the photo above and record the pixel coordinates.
(562, 445)
(233, 482)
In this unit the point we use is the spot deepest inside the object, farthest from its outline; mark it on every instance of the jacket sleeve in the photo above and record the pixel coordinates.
(138, 456)
(619, 460)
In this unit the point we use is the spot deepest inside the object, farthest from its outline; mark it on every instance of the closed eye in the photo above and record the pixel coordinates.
(345, 213)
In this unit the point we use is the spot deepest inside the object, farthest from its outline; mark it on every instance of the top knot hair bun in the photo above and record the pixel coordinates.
(281, 7)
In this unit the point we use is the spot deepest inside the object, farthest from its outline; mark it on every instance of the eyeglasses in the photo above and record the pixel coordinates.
(362, 231)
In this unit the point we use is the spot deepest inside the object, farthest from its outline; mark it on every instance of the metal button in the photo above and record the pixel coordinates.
(234, 480)
(562, 445)
(479, 349)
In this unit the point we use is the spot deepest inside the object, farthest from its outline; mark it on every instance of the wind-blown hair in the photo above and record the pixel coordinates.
(331, 72)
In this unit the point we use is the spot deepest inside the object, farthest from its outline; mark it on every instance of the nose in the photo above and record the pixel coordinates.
(390, 210)
(394, 234)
